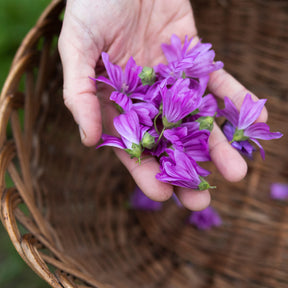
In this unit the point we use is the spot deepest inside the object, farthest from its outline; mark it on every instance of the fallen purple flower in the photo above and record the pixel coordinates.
(279, 191)
(205, 219)
(140, 201)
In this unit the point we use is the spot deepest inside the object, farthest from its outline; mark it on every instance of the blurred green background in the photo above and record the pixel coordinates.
(16, 19)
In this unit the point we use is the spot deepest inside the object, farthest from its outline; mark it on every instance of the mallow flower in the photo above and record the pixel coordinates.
(183, 62)
(178, 102)
(205, 219)
(189, 139)
(124, 82)
(243, 123)
(146, 111)
(138, 200)
(279, 191)
(180, 169)
(131, 132)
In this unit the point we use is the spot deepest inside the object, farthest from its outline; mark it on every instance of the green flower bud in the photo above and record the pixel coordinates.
(148, 141)
(147, 76)
(135, 151)
(206, 123)
(239, 135)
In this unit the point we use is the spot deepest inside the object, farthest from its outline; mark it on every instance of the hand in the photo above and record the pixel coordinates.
(136, 28)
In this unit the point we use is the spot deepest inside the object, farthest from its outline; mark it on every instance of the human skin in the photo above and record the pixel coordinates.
(125, 28)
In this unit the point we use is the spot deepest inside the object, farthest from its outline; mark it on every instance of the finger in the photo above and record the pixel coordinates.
(192, 199)
(227, 159)
(79, 90)
(223, 84)
(144, 176)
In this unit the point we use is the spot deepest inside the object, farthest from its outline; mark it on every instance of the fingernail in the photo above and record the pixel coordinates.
(82, 133)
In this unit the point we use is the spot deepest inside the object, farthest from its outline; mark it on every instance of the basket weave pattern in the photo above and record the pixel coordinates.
(67, 215)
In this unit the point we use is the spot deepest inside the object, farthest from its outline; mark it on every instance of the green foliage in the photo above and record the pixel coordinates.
(14, 272)
(16, 19)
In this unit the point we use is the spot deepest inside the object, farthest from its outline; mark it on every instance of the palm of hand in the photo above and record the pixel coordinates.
(128, 28)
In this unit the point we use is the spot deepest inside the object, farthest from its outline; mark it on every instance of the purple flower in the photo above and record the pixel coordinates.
(243, 122)
(146, 111)
(207, 107)
(122, 100)
(190, 139)
(279, 191)
(199, 61)
(187, 63)
(125, 82)
(181, 170)
(131, 132)
(140, 201)
(205, 219)
(175, 51)
(244, 147)
(178, 102)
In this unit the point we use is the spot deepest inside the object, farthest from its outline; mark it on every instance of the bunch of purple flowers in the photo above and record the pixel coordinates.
(164, 112)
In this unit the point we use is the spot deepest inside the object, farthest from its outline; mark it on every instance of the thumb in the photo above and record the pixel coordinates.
(79, 91)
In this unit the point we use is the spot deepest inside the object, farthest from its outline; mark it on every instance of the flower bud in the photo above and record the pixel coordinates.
(147, 76)
(148, 141)
(135, 151)
(206, 123)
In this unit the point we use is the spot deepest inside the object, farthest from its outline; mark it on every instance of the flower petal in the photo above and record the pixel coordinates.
(146, 112)
(250, 111)
(113, 141)
(122, 100)
(131, 78)
(261, 131)
(128, 126)
(228, 130)
(262, 152)
(208, 106)
(114, 72)
(230, 112)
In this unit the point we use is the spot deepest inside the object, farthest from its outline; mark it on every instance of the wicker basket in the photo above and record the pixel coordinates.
(66, 215)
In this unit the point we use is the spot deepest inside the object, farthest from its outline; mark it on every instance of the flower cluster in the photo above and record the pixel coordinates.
(165, 112)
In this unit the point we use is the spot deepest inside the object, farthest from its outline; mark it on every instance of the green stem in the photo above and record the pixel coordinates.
(160, 136)
(155, 120)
